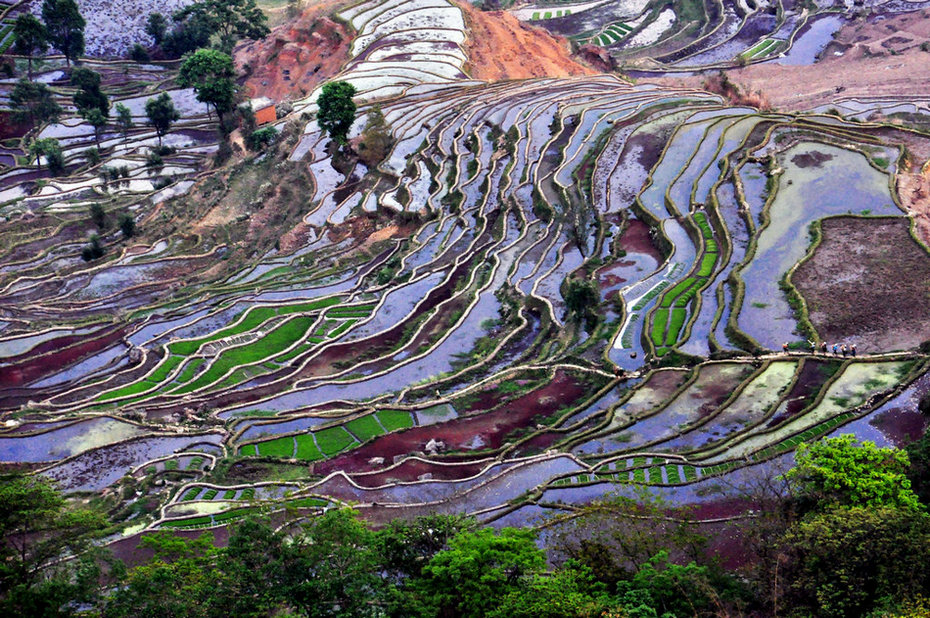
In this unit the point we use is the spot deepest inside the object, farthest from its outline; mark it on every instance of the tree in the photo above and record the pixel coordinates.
(123, 118)
(478, 568)
(407, 546)
(33, 101)
(127, 225)
(94, 250)
(36, 527)
(581, 296)
(332, 568)
(919, 472)
(49, 148)
(30, 37)
(210, 73)
(188, 34)
(840, 472)
(161, 113)
(570, 591)
(180, 580)
(65, 27)
(232, 19)
(845, 561)
(336, 110)
(98, 215)
(376, 140)
(156, 26)
(98, 121)
(261, 138)
(89, 95)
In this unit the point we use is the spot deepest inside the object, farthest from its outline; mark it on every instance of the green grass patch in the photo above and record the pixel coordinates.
(307, 448)
(192, 522)
(365, 427)
(395, 419)
(333, 440)
(230, 494)
(279, 447)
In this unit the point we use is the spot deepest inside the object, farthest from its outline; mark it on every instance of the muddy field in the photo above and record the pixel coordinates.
(854, 286)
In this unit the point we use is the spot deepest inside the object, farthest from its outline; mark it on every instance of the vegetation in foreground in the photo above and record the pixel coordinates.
(849, 536)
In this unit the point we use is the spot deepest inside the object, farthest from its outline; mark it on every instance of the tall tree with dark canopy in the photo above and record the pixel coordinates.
(231, 19)
(156, 26)
(89, 95)
(30, 37)
(65, 27)
(210, 73)
(37, 527)
(337, 110)
(33, 101)
(161, 113)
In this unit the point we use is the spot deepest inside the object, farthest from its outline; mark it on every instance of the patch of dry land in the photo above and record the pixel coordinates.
(868, 283)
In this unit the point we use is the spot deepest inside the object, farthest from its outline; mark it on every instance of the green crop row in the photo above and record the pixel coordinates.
(707, 264)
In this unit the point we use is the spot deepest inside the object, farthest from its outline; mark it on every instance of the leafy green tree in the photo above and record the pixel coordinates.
(581, 296)
(210, 73)
(231, 19)
(93, 251)
(124, 118)
(255, 568)
(376, 140)
(919, 471)
(30, 37)
(33, 102)
(180, 580)
(262, 138)
(49, 148)
(333, 568)
(847, 560)
(670, 589)
(89, 95)
(98, 215)
(156, 26)
(127, 225)
(37, 527)
(616, 536)
(571, 591)
(161, 113)
(188, 34)
(407, 546)
(839, 471)
(336, 110)
(98, 121)
(65, 27)
(138, 53)
(478, 569)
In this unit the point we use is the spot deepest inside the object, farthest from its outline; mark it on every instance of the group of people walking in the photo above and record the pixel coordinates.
(838, 348)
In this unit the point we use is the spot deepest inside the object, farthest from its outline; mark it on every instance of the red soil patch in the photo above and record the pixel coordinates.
(65, 351)
(499, 46)
(296, 57)
(488, 429)
(413, 469)
(868, 283)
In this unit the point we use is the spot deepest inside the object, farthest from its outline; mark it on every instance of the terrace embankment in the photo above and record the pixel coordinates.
(867, 284)
(501, 47)
(877, 58)
(297, 56)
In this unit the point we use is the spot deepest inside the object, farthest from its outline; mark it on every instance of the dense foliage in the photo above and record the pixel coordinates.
(337, 110)
(851, 540)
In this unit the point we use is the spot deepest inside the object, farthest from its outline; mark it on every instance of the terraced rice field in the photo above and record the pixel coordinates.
(420, 354)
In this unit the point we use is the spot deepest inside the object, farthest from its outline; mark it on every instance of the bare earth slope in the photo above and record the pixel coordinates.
(501, 47)
(296, 57)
